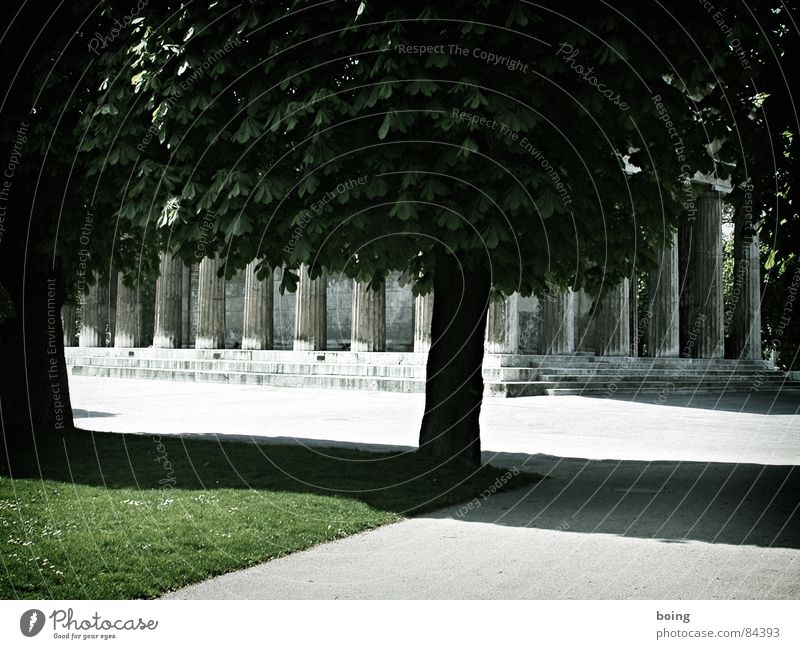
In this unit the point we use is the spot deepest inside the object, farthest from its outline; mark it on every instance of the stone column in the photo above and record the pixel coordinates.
(128, 327)
(633, 306)
(423, 310)
(186, 306)
(167, 329)
(257, 329)
(701, 306)
(557, 318)
(111, 310)
(746, 295)
(584, 321)
(368, 324)
(68, 324)
(502, 326)
(210, 305)
(310, 316)
(663, 323)
(93, 320)
(613, 322)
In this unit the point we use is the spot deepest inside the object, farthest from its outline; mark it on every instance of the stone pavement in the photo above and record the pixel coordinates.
(696, 498)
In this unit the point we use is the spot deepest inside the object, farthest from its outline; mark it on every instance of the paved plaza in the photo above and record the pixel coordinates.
(695, 498)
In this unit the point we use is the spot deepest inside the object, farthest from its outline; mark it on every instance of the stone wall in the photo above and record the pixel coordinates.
(399, 316)
(339, 312)
(584, 323)
(234, 311)
(528, 313)
(283, 315)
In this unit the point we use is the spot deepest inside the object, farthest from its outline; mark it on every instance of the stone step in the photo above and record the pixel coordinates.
(513, 389)
(552, 374)
(396, 384)
(645, 365)
(327, 381)
(400, 371)
(647, 390)
(588, 362)
(556, 374)
(536, 388)
(510, 374)
(656, 386)
(259, 367)
(263, 355)
(411, 358)
(772, 377)
(405, 372)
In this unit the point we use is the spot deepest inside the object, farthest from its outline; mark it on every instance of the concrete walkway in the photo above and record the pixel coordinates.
(691, 499)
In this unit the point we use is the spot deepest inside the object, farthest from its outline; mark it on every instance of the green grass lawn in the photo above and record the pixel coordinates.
(113, 516)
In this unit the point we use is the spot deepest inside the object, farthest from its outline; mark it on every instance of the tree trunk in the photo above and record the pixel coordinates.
(35, 406)
(454, 381)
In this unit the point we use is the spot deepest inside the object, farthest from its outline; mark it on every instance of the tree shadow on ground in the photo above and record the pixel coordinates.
(392, 480)
(761, 402)
(78, 413)
(671, 501)
(714, 502)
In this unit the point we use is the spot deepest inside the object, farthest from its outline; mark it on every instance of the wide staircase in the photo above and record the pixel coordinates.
(505, 375)
(515, 376)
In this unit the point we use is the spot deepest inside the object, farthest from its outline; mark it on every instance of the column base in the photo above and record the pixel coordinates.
(202, 342)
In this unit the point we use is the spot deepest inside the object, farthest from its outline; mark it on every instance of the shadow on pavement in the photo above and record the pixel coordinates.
(761, 402)
(78, 413)
(673, 501)
(737, 504)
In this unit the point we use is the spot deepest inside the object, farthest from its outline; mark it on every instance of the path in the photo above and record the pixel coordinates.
(642, 500)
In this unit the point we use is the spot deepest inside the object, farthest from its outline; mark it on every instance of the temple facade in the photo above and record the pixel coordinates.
(683, 315)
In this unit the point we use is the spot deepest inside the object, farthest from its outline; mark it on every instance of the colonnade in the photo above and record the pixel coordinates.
(684, 315)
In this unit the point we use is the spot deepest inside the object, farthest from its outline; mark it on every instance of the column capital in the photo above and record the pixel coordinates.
(711, 184)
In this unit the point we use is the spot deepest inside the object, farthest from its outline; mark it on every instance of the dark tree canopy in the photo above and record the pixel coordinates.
(553, 143)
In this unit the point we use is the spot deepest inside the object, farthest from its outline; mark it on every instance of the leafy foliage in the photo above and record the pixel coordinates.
(53, 223)
(263, 116)
(241, 127)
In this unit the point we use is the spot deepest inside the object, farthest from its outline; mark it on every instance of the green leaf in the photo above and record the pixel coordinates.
(289, 281)
(403, 210)
(385, 125)
(490, 238)
(452, 221)
(423, 86)
(308, 186)
(545, 206)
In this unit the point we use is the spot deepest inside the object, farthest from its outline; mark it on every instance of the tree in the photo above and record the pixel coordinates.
(480, 148)
(52, 243)
(767, 191)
